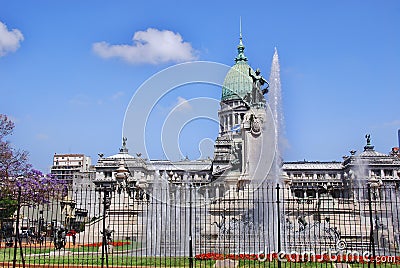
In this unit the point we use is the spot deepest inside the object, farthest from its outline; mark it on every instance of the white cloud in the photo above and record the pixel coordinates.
(117, 95)
(151, 46)
(9, 40)
(182, 104)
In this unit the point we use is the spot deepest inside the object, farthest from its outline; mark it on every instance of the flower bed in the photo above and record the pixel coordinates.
(210, 256)
(218, 256)
(113, 243)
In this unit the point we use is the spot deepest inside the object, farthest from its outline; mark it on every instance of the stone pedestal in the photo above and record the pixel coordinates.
(258, 135)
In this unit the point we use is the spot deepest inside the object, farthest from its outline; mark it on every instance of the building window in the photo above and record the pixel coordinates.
(299, 193)
(311, 194)
(388, 173)
(309, 175)
(376, 172)
(297, 175)
(336, 193)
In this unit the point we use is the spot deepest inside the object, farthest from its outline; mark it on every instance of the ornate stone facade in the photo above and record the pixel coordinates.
(245, 156)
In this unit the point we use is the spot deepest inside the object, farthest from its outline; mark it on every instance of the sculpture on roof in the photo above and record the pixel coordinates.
(124, 139)
(124, 149)
(368, 137)
(258, 82)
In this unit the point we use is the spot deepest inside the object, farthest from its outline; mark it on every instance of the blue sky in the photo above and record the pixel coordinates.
(68, 69)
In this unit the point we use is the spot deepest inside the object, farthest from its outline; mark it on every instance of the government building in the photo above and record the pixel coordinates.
(245, 192)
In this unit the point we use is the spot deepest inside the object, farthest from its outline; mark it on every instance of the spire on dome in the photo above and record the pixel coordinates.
(240, 27)
(240, 48)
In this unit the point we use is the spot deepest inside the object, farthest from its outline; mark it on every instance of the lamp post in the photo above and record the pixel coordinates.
(124, 180)
(105, 186)
(324, 190)
(68, 208)
(373, 189)
(41, 227)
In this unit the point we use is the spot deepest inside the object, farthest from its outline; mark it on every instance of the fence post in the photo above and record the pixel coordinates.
(190, 228)
(104, 238)
(278, 223)
(17, 237)
(371, 222)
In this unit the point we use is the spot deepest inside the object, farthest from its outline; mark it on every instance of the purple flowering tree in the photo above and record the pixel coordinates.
(20, 184)
(17, 175)
(36, 188)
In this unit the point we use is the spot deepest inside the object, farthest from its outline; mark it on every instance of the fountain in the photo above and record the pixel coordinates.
(158, 216)
(169, 215)
(275, 103)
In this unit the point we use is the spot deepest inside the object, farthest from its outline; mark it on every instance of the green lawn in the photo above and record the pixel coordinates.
(123, 247)
(88, 256)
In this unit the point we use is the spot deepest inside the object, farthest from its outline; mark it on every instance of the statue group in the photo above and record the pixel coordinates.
(257, 94)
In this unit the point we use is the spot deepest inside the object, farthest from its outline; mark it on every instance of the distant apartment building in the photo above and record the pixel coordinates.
(70, 166)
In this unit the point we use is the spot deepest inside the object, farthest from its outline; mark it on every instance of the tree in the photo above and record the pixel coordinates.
(12, 162)
(16, 174)
(20, 184)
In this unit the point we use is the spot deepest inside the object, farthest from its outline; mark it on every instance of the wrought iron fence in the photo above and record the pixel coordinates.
(267, 226)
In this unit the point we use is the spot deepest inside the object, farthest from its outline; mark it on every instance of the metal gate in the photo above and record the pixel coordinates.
(266, 226)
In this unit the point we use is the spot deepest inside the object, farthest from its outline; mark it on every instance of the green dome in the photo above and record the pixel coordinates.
(237, 82)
